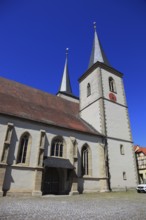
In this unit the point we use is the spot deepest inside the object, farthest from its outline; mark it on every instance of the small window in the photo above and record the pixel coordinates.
(122, 149)
(57, 148)
(23, 147)
(124, 176)
(112, 86)
(88, 89)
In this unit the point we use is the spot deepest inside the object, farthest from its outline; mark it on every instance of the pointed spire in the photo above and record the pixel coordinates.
(97, 53)
(65, 83)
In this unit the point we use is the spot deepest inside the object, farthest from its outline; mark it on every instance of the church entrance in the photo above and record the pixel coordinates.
(50, 181)
(57, 176)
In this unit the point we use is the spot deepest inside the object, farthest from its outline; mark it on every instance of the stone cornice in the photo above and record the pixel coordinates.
(103, 66)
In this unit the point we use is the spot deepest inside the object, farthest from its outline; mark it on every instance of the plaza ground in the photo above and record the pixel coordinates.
(105, 206)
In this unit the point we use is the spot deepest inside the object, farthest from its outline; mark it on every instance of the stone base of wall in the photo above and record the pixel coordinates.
(17, 193)
(73, 193)
(103, 185)
(1, 193)
(123, 189)
(91, 191)
(36, 193)
(104, 190)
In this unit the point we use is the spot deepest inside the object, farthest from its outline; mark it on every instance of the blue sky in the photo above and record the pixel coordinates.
(35, 33)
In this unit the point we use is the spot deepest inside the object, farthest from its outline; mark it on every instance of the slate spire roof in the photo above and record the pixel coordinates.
(97, 53)
(65, 83)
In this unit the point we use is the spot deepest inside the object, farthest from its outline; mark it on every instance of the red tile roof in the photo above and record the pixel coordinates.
(29, 103)
(139, 149)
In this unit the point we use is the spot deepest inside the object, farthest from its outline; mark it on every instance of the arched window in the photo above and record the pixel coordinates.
(86, 160)
(112, 86)
(57, 147)
(88, 89)
(22, 156)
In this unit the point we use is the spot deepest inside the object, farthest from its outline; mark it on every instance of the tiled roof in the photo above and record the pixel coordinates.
(29, 103)
(139, 149)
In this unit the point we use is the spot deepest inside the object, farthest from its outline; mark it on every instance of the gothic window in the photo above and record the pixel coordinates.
(88, 89)
(122, 149)
(22, 156)
(112, 86)
(57, 147)
(124, 176)
(86, 160)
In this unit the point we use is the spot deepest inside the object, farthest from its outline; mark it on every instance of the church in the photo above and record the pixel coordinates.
(61, 144)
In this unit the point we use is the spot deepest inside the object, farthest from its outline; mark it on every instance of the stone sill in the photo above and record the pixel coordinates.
(21, 166)
(93, 178)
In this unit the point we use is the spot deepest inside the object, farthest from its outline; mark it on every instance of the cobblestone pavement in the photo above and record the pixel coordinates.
(104, 206)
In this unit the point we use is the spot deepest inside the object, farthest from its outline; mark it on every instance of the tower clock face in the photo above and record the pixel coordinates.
(112, 97)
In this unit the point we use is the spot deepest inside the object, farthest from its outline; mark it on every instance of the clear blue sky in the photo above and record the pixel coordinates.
(35, 33)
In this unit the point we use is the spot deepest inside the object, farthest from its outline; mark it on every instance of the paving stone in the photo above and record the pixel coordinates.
(102, 206)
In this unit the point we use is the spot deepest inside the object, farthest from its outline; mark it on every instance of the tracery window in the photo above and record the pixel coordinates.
(23, 148)
(88, 89)
(112, 85)
(57, 147)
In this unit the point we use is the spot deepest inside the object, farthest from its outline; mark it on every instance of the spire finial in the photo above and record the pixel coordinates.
(67, 49)
(94, 23)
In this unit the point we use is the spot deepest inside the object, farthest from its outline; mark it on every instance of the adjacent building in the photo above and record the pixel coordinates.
(140, 153)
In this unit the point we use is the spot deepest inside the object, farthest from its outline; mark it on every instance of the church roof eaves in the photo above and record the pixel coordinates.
(70, 95)
(50, 124)
(28, 103)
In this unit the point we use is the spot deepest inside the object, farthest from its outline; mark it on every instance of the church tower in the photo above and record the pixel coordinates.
(103, 106)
